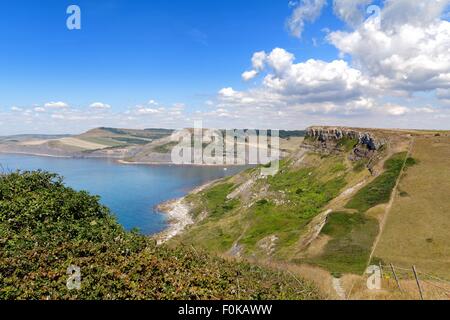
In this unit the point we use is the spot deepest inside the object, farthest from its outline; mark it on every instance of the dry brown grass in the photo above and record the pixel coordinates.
(292, 144)
(321, 278)
(356, 286)
(82, 144)
(417, 229)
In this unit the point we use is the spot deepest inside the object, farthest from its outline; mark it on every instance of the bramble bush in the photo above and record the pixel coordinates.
(45, 227)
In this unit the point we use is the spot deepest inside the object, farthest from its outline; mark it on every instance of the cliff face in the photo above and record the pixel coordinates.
(335, 134)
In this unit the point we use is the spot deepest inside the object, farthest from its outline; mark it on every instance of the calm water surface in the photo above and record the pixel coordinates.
(130, 191)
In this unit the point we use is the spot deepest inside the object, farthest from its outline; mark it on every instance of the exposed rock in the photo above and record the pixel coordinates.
(244, 188)
(268, 244)
(334, 134)
(314, 228)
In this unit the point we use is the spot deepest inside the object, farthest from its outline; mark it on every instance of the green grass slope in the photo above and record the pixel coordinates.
(379, 191)
(277, 208)
(352, 237)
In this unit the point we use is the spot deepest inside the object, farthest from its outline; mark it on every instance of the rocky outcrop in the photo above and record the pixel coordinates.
(334, 134)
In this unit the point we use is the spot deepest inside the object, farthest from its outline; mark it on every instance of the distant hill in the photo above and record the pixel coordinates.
(128, 145)
(22, 137)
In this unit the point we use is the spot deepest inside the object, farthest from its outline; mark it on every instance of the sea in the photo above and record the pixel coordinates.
(132, 192)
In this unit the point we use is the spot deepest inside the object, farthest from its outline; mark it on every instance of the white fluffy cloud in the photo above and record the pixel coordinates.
(56, 105)
(145, 111)
(248, 75)
(312, 81)
(403, 54)
(305, 11)
(258, 64)
(100, 106)
(408, 52)
(351, 11)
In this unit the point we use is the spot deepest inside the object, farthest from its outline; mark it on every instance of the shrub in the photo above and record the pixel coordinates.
(45, 227)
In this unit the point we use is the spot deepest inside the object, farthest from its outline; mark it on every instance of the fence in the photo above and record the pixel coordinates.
(411, 281)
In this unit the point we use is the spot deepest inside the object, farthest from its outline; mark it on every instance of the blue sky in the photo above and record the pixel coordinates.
(168, 62)
(131, 51)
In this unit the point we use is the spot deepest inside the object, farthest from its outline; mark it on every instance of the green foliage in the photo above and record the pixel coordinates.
(305, 191)
(349, 249)
(165, 148)
(216, 201)
(347, 144)
(338, 167)
(45, 227)
(262, 202)
(304, 196)
(411, 162)
(379, 191)
(360, 165)
(106, 141)
(146, 133)
(289, 200)
(129, 140)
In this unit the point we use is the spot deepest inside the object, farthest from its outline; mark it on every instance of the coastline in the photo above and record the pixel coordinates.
(177, 210)
(119, 161)
(178, 215)
(36, 154)
(180, 165)
(178, 218)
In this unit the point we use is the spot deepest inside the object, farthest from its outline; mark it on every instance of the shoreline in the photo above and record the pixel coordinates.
(178, 215)
(181, 165)
(44, 155)
(178, 218)
(177, 210)
(121, 161)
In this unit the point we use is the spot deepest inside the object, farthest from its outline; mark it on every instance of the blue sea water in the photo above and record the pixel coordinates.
(130, 191)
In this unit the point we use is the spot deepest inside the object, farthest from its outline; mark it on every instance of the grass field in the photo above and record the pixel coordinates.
(88, 145)
(349, 249)
(417, 229)
(379, 191)
(105, 141)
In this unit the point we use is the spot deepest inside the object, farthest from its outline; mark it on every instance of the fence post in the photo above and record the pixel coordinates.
(396, 278)
(381, 270)
(418, 282)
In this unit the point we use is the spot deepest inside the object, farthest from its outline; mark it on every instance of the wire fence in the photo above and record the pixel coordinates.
(411, 280)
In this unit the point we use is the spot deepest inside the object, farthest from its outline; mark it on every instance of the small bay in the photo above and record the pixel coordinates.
(130, 191)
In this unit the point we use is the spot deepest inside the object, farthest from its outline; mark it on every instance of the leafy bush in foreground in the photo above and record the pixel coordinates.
(45, 227)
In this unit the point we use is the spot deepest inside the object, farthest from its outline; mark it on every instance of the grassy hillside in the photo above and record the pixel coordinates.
(45, 227)
(315, 210)
(419, 220)
(379, 191)
(258, 217)
(351, 239)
